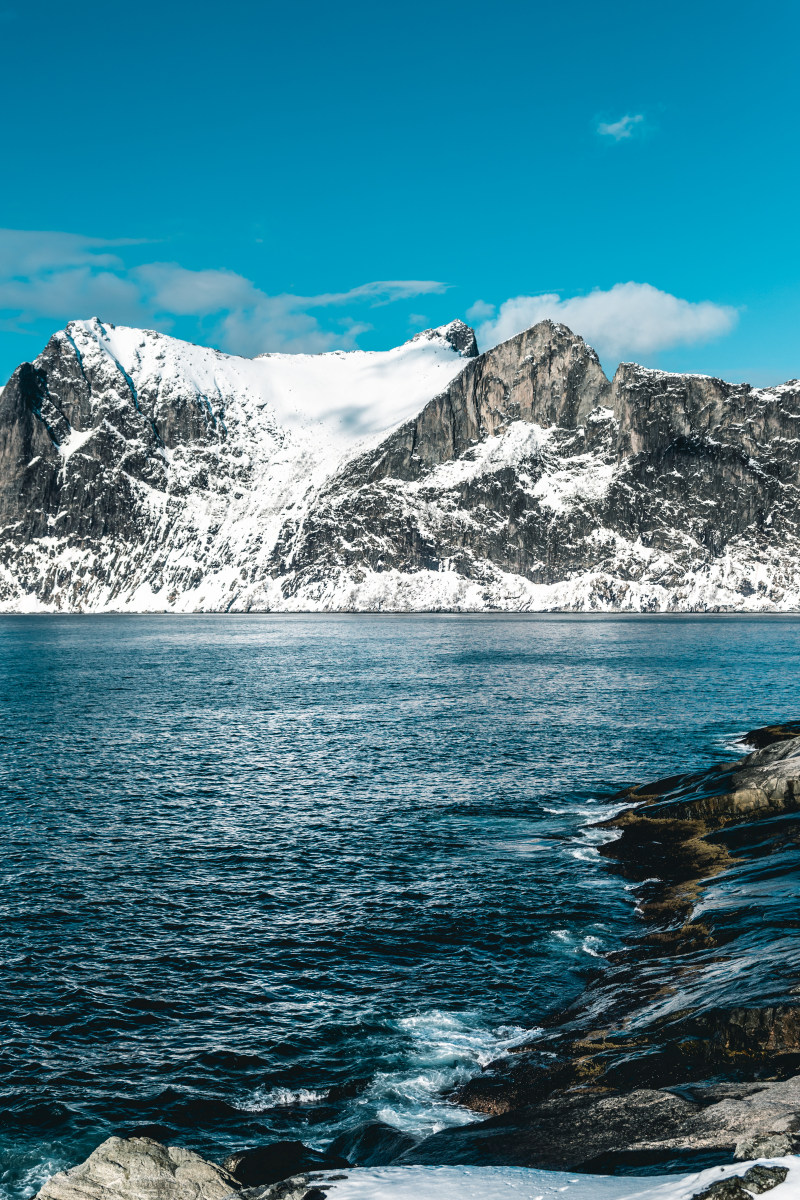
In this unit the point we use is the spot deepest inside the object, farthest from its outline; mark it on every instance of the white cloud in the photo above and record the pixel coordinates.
(60, 276)
(480, 311)
(624, 128)
(76, 290)
(252, 321)
(24, 252)
(171, 288)
(280, 323)
(628, 319)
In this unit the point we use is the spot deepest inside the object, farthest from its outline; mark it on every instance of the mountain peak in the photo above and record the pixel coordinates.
(459, 335)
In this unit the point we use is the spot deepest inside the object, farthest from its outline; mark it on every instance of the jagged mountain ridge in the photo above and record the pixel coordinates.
(141, 473)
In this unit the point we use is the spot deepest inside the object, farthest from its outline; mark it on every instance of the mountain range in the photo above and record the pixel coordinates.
(142, 473)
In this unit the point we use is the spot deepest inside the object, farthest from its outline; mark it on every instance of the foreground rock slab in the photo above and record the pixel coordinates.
(140, 1169)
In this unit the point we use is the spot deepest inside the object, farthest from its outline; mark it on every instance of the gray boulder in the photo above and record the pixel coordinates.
(140, 1169)
(755, 1181)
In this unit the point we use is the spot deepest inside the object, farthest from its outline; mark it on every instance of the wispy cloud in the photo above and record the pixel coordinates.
(253, 321)
(628, 319)
(626, 127)
(61, 275)
(480, 311)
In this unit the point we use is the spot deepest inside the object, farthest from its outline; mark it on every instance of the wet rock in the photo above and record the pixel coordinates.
(769, 734)
(279, 1160)
(373, 1144)
(578, 1131)
(676, 837)
(140, 1169)
(611, 1132)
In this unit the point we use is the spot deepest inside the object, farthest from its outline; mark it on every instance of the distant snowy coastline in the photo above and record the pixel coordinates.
(139, 473)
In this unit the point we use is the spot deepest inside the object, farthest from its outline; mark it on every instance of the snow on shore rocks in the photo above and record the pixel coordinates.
(141, 1169)
(780, 1178)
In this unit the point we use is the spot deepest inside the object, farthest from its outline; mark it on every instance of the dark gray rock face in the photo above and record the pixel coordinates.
(158, 479)
(373, 1144)
(652, 491)
(545, 376)
(763, 1179)
(754, 1182)
(624, 1132)
(279, 1160)
(459, 335)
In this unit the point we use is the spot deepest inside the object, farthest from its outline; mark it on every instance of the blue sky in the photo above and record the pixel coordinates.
(265, 176)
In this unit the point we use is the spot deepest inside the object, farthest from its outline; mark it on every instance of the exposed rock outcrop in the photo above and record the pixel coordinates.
(754, 1182)
(625, 1131)
(140, 1169)
(276, 1161)
(680, 1048)
(298, 1187)
(373, 1144)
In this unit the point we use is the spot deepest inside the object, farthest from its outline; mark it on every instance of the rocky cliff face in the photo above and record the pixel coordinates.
(137, 472)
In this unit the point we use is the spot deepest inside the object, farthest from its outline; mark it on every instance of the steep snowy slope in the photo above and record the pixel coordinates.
(141, 473)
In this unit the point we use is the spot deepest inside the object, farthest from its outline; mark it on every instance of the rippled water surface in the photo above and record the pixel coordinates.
(270, 876)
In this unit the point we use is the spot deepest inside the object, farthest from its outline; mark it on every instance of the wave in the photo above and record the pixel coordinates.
(263, 1099)
(442, 1050)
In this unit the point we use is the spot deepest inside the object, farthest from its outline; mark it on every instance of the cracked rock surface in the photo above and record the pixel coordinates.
(140, 1169)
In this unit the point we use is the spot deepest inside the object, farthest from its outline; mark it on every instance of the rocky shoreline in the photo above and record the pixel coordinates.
(683, 1052)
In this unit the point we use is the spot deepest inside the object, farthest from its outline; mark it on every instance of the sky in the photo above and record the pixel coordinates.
(263, 176)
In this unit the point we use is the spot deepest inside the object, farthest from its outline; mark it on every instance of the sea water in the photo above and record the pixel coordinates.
(267, 877)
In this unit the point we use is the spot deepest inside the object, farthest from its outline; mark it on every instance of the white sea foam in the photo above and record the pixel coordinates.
(28, 1180)
(445, 1049)
(581, 942)
(264, 1099)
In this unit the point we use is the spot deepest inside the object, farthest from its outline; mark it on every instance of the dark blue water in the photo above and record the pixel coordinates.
(268, 876)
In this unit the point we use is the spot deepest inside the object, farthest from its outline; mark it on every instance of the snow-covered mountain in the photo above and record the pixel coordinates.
(141, 473)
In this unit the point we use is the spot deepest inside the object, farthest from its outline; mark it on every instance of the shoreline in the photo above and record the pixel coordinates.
(632, 614)
(634, 1043)
(631, 1080)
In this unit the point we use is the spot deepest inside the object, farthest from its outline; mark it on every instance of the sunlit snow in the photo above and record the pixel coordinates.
(521, 1183)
